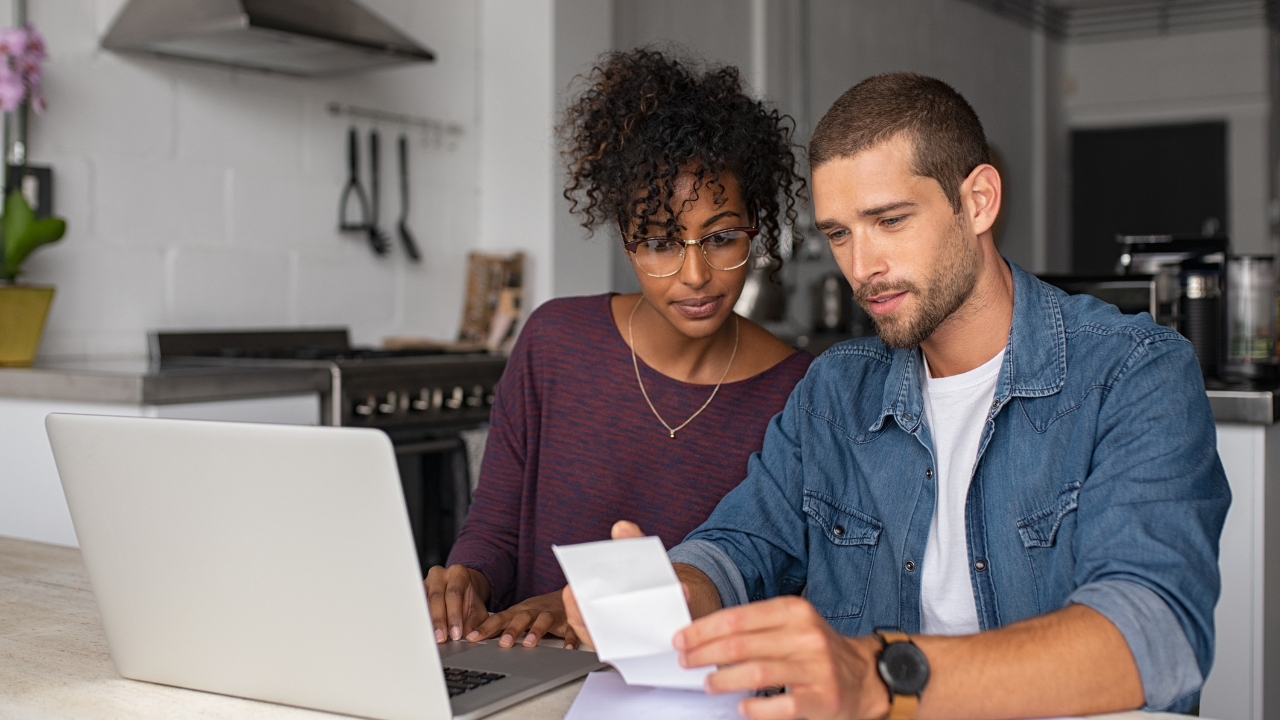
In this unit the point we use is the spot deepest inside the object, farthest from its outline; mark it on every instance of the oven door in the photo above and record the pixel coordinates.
(436, 475)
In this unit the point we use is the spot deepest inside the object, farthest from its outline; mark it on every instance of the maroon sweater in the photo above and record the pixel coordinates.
(573, 447)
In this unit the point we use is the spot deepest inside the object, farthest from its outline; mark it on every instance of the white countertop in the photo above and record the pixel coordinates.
(54, 662)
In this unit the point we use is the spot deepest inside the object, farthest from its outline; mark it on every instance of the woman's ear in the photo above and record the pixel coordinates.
(980, 196)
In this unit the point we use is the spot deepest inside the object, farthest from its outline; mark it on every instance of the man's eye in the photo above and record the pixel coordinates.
(837, 236)
(893, 221)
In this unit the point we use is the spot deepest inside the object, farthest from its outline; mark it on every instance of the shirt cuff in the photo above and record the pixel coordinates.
(1166, 663)
(710, 559)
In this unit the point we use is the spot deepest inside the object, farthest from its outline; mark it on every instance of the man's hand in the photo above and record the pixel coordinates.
(535, 617)
(785, 642)
(456, 598)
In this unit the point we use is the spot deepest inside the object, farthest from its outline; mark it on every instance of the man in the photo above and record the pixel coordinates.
(1020, 490)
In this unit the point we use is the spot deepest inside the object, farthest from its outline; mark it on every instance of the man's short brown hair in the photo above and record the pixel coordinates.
(947, 135)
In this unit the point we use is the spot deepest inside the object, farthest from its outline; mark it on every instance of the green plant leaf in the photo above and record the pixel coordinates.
(23, 233)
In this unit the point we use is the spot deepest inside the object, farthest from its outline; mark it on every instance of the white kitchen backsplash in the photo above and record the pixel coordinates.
(201, 196)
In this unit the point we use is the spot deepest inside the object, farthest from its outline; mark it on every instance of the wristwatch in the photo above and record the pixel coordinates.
(904, 668)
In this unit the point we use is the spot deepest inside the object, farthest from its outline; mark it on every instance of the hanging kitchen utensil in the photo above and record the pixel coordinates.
(353, 188)
(379, 240)
(406, 237)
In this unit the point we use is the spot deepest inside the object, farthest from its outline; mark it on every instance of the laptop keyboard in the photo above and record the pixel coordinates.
(461, 681)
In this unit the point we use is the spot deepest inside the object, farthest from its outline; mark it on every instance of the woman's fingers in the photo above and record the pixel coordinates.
(434, 585)
(519, 622)
(456, 598)
(490, 626)
(570, 638)
(540, 626)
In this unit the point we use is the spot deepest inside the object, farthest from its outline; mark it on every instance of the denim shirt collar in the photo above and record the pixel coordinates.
(1035, 359)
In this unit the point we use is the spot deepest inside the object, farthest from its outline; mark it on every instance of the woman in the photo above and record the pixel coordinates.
(640, 406)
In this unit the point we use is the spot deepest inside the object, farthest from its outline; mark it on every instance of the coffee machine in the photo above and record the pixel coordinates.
(1224, 304)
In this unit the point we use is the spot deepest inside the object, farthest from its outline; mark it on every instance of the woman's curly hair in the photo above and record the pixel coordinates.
(648, 117)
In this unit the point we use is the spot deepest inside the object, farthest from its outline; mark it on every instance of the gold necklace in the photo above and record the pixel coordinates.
(631, 336)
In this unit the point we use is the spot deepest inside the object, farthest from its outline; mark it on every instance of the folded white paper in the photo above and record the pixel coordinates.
(606, 697)
(633, 605)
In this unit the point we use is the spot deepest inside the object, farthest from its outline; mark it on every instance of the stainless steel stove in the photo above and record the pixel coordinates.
(423, 399)
(370, 387)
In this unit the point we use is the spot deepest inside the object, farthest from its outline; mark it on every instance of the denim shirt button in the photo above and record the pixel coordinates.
(838, 531)
(910, 566)
(928, 474)
(995, 405)
(980, 564)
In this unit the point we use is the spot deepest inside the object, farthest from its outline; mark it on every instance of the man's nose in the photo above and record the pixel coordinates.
(862, 263)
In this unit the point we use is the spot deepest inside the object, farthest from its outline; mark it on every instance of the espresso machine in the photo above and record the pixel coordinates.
(1224, 304)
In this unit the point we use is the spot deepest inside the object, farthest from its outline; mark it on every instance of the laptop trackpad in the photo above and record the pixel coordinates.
(536, 662)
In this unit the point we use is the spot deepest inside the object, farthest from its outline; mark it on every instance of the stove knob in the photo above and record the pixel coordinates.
(421, 403)
(455, 399)
(366, 408)
(476, 398)
(390, 406)
(437, 398)
(488, 399)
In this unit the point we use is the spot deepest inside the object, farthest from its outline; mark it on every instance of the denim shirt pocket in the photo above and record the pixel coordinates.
(1052, 567)
(1040, 528)
(842, 551)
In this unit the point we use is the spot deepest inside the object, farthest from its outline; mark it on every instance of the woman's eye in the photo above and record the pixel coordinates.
(660, 247)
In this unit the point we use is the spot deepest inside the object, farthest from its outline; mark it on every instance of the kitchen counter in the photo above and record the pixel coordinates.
(54, 661)
(1251, 407)
(133, 381)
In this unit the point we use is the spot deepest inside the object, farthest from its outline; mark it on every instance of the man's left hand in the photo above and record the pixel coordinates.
(785, 642)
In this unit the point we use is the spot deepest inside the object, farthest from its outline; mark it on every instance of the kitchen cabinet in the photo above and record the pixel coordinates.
(1244, 683)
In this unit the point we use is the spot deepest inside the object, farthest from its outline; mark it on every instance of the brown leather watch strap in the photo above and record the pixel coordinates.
(903, 707)
(892, 636)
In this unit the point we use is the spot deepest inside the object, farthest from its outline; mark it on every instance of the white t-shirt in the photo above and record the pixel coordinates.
(956, 410)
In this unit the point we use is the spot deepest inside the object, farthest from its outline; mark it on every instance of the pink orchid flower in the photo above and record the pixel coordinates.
(13, 41)
(12, 91)
(36, 48)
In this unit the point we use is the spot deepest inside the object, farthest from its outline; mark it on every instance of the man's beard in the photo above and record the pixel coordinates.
(945, 292)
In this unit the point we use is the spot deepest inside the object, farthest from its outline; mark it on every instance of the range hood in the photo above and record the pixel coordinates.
(297, 37)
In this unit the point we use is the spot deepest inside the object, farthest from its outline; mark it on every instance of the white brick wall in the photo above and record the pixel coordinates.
(202, 196)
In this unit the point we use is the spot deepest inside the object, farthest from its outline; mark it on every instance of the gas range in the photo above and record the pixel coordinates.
(369, 387)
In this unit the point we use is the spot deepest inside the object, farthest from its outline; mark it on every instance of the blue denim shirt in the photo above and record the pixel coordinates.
(1097, 482)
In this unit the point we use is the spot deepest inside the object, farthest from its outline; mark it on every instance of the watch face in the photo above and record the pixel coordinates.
(904, 668)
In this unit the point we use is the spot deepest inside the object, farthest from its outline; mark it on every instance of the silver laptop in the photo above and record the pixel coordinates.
(273, 562)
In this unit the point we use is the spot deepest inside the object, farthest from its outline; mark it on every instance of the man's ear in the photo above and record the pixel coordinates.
(980, 196)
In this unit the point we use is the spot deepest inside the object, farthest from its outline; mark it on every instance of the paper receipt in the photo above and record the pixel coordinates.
(633, 605)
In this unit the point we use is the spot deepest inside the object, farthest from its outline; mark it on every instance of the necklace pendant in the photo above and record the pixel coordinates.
(673, 434)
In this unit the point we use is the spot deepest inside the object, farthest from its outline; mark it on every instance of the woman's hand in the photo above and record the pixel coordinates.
(533, 618)
(456, 597)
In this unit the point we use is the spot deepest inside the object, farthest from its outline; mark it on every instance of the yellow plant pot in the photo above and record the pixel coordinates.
(23, 309)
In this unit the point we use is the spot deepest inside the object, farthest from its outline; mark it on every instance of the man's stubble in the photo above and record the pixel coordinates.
(944, 293)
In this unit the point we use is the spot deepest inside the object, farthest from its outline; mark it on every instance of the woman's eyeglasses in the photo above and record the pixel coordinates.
(664, 256)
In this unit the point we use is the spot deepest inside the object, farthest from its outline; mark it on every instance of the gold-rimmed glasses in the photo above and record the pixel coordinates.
(660, 257)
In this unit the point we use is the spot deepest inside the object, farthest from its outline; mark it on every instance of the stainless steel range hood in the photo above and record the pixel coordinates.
(298, 37)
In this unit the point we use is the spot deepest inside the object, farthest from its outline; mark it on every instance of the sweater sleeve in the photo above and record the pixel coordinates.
(489, 539)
